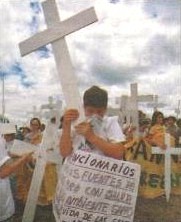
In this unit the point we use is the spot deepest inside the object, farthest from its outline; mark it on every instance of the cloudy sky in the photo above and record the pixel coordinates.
(134, 41)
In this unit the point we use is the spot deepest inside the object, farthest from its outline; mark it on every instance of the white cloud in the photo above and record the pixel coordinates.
(124, 46)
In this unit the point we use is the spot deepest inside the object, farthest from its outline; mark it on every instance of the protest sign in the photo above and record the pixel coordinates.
(20, 148)
(96, 188)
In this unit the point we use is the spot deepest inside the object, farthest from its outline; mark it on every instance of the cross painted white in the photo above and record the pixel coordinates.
(129, 106)
(50, 109)
(167, 153)
(55, 34)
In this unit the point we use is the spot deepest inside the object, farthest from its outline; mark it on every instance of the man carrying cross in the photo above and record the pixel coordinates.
(103, 131)
(55, 34)
(102, 135)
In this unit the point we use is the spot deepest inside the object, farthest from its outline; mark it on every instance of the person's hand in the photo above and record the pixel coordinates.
(27, 157)
(70, 115)
(84, 129)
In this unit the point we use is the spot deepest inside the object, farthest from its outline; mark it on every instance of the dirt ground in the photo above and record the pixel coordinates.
(43, 214)
(158, 210)
(147, 210)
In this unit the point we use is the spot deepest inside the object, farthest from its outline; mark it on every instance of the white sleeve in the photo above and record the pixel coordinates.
(3, 154)
(4, 160)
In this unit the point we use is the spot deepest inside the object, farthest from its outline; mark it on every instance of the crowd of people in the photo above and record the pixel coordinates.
(20, 170)
(103, 135)
(156, 126)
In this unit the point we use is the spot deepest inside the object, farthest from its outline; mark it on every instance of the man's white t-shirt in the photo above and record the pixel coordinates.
(108, 129)
(6, 199)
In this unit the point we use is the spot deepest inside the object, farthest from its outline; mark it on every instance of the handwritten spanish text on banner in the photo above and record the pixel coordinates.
(96, 188)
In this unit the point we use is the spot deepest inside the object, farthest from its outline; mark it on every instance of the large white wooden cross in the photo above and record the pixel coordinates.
(55, 34)
(155, 104)
(129, 106)
(167, 152)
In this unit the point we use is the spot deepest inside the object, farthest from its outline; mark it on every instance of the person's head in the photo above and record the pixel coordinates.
(144, 124)
(157, 118)
(171, 120)
(35, 124)
(95, 101)
(9, 137)
(8, 130)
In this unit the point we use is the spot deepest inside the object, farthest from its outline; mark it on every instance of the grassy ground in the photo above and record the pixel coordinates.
(147, 210)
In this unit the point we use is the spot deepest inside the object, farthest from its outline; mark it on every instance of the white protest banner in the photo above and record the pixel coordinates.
(96, 188)
(20, 148)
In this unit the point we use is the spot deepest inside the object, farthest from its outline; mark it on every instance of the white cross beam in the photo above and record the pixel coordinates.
(51, 108)
(133, 106)
(167, 152)
(49, 105)
(129, 105)
(55, 34)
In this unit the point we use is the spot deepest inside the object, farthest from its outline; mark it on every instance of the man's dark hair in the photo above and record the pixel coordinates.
(96, 97)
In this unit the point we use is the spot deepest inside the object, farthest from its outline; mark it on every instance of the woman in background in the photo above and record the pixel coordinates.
(24, 177)
(157, 130)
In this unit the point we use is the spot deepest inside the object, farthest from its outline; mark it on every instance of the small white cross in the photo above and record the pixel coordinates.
(51, 108)
(129, 106)
(167, 152)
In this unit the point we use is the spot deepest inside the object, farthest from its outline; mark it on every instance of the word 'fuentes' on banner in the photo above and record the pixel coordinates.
(96, 188)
